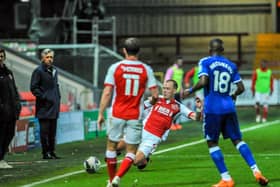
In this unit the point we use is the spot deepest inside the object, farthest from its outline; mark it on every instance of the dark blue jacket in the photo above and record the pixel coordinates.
(44, 86)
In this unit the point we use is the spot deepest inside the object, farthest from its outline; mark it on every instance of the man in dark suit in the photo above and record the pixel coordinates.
(44, 85)
(9, 108)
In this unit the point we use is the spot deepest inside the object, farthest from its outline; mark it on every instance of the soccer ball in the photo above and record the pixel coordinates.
(92, 164)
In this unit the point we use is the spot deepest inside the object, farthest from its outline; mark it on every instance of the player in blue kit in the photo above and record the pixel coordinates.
(216, 74)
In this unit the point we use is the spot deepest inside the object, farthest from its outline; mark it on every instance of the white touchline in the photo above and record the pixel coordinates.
(156, 153)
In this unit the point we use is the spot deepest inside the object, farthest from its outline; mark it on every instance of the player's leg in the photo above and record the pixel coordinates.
(258, 107)
(212, 127)
(115, 133)
(148, 145)
(233, 131)
(265, 99)
(111, 159)
(132, 140)
(121, 147)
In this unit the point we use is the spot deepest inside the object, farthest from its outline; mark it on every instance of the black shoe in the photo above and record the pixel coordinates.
(47, 156)
(144, 164)
(119, 152)
(53, 155)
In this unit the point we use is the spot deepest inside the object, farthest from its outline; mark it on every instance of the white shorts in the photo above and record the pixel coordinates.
(130, 130)
(149, 143)
(200, 94)
(262, 98)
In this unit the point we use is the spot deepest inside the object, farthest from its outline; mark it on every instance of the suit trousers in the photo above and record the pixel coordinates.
(7, 132)
(48, 135)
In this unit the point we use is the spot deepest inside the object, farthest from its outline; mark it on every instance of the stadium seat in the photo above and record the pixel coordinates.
(27, 96)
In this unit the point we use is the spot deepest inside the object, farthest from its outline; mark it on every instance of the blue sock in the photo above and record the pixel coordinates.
(246, 153)
(218, 158)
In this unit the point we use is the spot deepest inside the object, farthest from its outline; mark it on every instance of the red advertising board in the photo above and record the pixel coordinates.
(20, 140)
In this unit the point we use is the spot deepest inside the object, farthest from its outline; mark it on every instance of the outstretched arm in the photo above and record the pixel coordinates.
(197, 116)
(203, 81)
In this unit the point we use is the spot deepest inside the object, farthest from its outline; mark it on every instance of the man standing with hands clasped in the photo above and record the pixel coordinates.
(44, 85)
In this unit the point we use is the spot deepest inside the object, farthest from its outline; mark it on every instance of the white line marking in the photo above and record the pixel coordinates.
(156, 153)
(226, 155)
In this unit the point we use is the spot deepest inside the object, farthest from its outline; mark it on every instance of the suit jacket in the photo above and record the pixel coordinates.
(44, 86)
(9, 98)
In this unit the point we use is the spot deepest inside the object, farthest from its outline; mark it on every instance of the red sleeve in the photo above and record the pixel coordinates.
(254, 78)
(271, 84)
(189, 75)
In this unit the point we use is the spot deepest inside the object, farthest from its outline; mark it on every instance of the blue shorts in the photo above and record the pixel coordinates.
(227, 124)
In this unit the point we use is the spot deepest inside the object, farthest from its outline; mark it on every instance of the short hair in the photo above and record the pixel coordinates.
(216, 45)
(132, 46)
(46, 51)
(3, 51)
(175, 85)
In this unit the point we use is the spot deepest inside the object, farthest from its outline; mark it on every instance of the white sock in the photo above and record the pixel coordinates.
(225, 176)
(255, 168)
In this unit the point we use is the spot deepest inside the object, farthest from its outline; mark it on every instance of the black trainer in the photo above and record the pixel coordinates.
(47, 156)
(54, 156)
(144, 164)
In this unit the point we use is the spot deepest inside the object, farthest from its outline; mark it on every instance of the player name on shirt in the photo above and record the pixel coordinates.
(132, 69)
(217, 63)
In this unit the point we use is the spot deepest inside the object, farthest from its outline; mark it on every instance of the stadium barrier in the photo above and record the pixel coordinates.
(247, 99)
(71, 126)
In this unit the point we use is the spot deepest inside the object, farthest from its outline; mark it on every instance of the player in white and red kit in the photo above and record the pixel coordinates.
(163, 110)
(127, 81)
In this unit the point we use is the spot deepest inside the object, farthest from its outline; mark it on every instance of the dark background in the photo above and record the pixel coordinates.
(15, 16)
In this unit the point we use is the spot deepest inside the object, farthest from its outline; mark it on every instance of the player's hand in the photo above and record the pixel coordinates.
(233, 96)
(187, 92)
(100, 121)
(187, 85)
(198, 103)
(153, 100)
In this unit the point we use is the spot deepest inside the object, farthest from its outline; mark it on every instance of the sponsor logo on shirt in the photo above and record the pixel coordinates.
(163, 110)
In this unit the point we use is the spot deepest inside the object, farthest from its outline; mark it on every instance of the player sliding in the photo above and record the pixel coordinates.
(163, 111)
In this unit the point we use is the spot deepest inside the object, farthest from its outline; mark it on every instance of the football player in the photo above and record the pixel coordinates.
(163, 110)
(216, 75)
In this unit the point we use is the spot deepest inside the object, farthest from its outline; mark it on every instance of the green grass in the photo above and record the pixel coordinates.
(189, 166)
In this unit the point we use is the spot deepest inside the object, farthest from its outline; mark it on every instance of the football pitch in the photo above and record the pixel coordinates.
(182, 161)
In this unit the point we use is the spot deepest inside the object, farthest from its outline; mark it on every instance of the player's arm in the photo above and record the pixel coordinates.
(191, 114)
(188, 76)
(154, 91)
(203, 80)
(254, 78)
(240, 89)
(197, 115)
(105, 99)
(271, 85)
